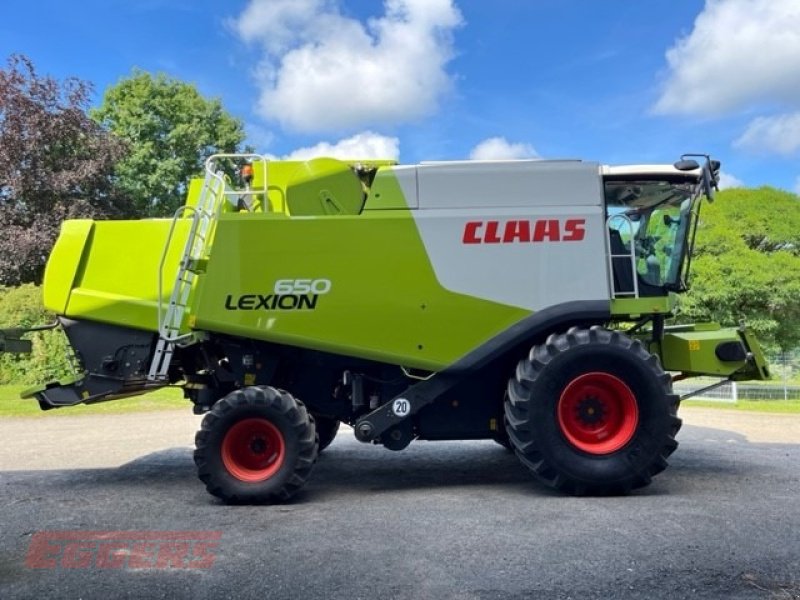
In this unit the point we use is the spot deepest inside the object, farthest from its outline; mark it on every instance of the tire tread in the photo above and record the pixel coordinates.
(269, 401)
(520, 396)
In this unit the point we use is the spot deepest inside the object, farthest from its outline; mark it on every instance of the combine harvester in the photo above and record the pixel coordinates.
(520, 301)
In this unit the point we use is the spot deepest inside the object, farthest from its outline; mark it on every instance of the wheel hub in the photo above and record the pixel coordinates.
(598, 413)
(253, 450)
(258, 446)
(590, 410)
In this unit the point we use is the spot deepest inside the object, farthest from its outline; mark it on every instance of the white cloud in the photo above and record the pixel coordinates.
(774, 135)
(797, 186)
(499, 148)
(362, 145)
(740, 52)
(727, 181)
(278, 24)
(323, 71)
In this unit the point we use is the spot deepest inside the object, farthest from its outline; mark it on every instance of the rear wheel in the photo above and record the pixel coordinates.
(327, 427)
(592, 412)
(256, 445)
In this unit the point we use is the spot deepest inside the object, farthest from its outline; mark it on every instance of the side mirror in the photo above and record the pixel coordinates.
(686, 165)
(710, 170)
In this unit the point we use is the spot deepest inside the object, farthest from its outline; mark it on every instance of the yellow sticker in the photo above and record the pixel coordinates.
(694, 345)
(249, 378)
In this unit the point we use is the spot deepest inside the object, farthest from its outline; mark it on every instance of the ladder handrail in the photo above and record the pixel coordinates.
(164, 252)
(199, 237)
(198, 213)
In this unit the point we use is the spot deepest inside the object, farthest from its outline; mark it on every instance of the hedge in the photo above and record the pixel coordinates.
(22, 307)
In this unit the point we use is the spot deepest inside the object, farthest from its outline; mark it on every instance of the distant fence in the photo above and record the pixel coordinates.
(785, 368)
(732, 391)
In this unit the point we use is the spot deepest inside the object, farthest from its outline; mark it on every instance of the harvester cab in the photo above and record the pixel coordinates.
(652, 217)
(520, 301)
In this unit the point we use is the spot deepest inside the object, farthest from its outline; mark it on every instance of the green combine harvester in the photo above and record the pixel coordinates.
(520, 301)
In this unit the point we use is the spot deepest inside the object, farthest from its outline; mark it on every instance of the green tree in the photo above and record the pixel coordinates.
(747, 265)
(55, 163)
(170, 129)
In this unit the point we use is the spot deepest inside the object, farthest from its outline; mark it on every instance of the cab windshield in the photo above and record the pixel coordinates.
(649, 223)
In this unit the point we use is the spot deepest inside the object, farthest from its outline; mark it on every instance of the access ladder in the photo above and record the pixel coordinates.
(204, 215)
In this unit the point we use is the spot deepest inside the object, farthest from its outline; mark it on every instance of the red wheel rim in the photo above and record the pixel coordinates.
(597, 413)
(253, 450)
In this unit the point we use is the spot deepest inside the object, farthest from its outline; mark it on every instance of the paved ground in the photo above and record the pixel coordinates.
(439, 520)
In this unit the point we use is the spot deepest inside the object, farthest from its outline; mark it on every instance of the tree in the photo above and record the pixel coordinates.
(170, 129)
(747, 265)
(55, 163)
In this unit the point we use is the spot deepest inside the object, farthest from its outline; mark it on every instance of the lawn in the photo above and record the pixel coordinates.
(11, 405)
(770, 406)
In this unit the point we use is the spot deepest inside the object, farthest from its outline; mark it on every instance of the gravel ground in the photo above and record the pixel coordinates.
(439, 520)
(113, 440)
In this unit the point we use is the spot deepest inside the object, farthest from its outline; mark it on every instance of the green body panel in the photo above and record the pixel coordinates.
(384, 194)
(636, 307)
(324, 186)
(384, 303)
(63, 264)
(759, 369)
(193, 193)
(310, 183)
(115, 270)
(691, 350)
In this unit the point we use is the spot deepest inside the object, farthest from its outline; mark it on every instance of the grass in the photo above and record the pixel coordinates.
(11, 405)
(768, 406)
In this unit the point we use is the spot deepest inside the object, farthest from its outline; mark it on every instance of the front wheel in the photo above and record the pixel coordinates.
(592, 412)
(256, 445)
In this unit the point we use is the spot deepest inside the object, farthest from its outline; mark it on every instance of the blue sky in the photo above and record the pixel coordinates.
(619, 82)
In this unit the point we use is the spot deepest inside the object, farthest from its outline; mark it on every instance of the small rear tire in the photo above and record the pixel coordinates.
(592, 412)
(257, 445)
(327, 427)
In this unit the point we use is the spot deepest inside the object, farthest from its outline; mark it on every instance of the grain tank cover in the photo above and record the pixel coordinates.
(324, 186)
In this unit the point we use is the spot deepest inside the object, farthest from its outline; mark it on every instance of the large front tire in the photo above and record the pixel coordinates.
(592, 412)
(257, 445)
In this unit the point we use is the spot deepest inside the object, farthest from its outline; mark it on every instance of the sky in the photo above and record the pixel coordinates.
(614, 81)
